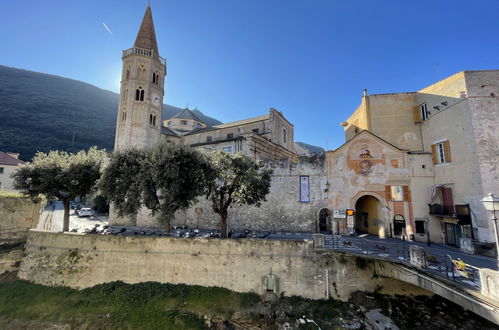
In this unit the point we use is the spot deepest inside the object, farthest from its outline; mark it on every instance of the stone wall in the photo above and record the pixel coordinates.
(81, 261)
(17, 216)
(282, 211)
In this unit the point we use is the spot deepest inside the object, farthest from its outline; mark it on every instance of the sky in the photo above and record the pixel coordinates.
(234, 59)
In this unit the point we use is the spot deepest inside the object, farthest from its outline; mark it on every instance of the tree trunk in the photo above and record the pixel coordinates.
(223, 225)
(65, 221)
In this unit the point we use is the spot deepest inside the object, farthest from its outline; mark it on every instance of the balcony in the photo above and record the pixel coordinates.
(445, 211)
(144, 52)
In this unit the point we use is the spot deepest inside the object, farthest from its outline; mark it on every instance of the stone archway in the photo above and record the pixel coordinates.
(369, 216)
(324, 225)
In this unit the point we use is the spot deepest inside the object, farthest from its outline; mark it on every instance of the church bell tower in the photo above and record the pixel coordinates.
(139, 122)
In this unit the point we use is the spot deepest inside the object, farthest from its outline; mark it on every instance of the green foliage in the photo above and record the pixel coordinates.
(101, 204)
(165, 178)
(148, 305)
(239, 180)
(60, 175)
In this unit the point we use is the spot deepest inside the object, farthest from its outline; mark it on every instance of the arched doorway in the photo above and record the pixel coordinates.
(368, 216)
(398, 225)
(324, 216)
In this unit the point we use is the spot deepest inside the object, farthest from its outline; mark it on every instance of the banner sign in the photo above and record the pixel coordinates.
(304, 189)
(339, 214)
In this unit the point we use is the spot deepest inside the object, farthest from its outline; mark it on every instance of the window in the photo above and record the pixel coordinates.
(208, 139)
(139, 94)
(127, 74)
(183, 122)
(284, 137)
(230, 135)
(227, 149)
(397, 193)
(256, 130)
(154, 77)
(420, 226)
(1, 170)
(441, 152)
(423, 110)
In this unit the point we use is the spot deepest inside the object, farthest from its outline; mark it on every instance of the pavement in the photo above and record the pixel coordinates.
(52, 217)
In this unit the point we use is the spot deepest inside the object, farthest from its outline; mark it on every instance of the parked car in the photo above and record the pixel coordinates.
(85, 212)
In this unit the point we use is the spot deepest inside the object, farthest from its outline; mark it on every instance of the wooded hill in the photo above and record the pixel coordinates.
(42, 112)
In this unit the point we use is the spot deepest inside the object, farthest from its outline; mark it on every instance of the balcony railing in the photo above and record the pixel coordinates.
(441, 210)
(144, 52)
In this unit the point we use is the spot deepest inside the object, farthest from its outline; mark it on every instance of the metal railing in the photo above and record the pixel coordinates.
(144, 52)
(441, 265)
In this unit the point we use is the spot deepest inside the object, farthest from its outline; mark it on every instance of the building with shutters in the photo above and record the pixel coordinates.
(9, 162)
(420, 162)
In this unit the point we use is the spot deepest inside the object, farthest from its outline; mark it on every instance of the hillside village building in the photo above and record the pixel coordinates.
(9, 161)
(414, 165)
(418, 164)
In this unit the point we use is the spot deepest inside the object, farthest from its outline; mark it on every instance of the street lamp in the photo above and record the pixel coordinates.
(491, 203)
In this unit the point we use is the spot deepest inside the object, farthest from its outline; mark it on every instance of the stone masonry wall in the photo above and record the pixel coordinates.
(282, 211)
(17, 216)
(81, 261)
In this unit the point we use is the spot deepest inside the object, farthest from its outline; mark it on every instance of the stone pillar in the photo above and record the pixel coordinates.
(418, 256)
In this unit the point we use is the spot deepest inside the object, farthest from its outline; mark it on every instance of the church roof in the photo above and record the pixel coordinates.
(242, 122)
(187, 114)
(6, 159)
(146, 38)
(167, 131)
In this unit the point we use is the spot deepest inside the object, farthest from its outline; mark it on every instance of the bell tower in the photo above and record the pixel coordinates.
(138, 123)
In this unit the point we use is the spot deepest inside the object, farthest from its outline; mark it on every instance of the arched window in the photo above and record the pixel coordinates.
(154, 77)
(154, 120)
(137, 94)
(142, 95)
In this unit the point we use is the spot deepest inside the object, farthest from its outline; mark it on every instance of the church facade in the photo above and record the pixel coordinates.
(414, 165)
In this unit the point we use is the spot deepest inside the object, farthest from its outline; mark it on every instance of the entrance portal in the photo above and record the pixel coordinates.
(323, 217)
(398, 225)
(367, 216)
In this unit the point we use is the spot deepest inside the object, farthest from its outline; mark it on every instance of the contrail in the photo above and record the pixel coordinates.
(108, 30)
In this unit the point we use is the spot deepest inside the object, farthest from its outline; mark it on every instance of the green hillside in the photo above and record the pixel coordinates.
(42, 112)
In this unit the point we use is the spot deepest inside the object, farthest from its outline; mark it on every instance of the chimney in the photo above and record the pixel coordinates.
(364, 93)
(13, 154)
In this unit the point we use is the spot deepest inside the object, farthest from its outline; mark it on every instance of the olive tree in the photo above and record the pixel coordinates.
(165, 178)
(60, 175)
(239, 180)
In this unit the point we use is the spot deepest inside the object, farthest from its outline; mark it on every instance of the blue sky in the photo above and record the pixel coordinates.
(233, 59)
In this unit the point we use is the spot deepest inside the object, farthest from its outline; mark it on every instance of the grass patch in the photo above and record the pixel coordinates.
(148, 305)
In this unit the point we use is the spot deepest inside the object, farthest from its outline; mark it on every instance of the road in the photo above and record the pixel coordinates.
(52, 217)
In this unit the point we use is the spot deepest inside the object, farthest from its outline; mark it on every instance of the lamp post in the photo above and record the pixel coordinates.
(491, 203)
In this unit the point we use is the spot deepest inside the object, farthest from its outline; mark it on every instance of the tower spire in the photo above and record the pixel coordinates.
(146, 38)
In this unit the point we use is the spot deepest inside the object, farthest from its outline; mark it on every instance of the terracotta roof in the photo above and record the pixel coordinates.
(146, 38)
(6, 159)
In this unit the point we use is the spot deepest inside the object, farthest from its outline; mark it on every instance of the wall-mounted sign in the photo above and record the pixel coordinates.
(339, 214)
(304, 189)
(350, 225)
(350, 212)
